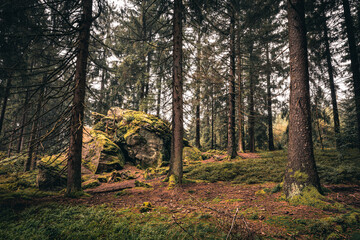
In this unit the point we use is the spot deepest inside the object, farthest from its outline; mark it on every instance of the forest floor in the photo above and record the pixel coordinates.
(247, 211)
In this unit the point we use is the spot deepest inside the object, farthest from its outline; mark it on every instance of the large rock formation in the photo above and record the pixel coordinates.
(100, 154)
(52, 173)
(144, 139)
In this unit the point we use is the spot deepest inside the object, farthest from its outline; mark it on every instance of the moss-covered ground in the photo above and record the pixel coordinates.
(333, 167)
(243, 194)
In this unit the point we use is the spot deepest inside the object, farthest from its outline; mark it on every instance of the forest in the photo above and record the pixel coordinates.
(179, 119)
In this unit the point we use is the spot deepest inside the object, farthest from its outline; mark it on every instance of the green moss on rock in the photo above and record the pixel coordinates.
(142, 184)
(100, 154)
(192, 155)
(92, 183)
(145, 139)
(146, 207)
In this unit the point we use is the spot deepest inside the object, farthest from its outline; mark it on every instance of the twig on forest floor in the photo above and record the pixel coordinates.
(174, 218)
(232, 224)
(223, 213)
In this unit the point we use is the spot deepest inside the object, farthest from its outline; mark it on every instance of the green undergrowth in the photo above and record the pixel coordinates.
(192, 155)
(311, 197)
(333, 167)
(248, 171)
(20, 185)
(78, 222)
(343, 226)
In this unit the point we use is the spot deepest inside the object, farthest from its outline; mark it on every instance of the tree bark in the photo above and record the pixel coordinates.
(269, 101)
(77, 113)
(4, 105)
(240, 105)
(354, 62)
(197, 95)
(11, 141)
(30, 163)
(231, 146)
(158, 104)
(176, 164)
(251, 105)
(212, 117)
(301, 168)
(23, 122)
(332, 85)
(101, 101)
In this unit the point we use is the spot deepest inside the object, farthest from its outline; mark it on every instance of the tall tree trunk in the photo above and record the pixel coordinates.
(332, 85)
(251, 128)
(231, 146)
(101, 100)
(158, 104)
(318, 123)
(354, 62)
(30, 162)
(77, 113)
(269, 101)
(212, 117)
(176, 164)
(197, 95)
(4, 105)
(23, 122)
(11, 141)
(159, 89)
(301, 168)
(240, 105)
(147, 83)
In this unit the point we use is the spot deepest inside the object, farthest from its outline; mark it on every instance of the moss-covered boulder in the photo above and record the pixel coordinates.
(145, 139)
(100, 154)
(192, 155)
(51, 173)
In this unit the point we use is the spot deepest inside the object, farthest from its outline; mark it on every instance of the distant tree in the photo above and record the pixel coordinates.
(300, 150)
(269, 101)
(198, 92)
(331, 77)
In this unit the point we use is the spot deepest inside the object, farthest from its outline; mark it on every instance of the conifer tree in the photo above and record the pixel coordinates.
(301, 160)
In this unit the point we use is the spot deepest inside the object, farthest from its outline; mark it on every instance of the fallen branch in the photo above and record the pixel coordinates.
(174, 218)
(232, 224)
